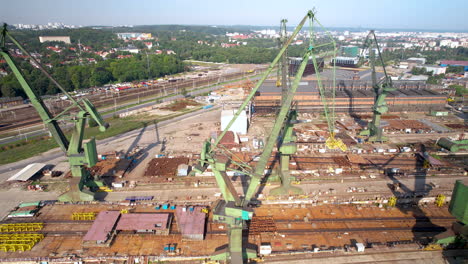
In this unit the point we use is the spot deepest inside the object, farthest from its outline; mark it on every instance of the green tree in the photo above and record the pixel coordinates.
(100, 76)
(459, 89)
(10, 87)
(435, 79)
(455, 69)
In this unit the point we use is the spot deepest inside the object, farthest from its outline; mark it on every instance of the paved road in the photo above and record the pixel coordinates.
(57, 153)
(320, 190)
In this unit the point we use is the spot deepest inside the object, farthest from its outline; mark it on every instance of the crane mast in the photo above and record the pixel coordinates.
(80, 155)
(382, 88)
(286, 143)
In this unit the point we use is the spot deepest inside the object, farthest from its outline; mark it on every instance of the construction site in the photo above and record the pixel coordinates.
(313, 164)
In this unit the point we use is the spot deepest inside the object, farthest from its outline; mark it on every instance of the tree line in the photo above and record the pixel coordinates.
(74, 77)
(189, 42)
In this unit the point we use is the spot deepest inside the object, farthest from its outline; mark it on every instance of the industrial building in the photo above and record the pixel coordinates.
(351, 97)
(158, 224)
(134, 35)
(65, 39)
(294, 64)
(108, 223)
(463, 64)
(346, 61)
(435, 69)
(350, 51)
(240, 124)
(191, 222)
(103, 229)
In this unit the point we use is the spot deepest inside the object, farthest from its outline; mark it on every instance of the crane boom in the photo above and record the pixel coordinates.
(79, 155)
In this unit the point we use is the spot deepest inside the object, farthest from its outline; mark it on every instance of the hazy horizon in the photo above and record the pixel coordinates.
(419, 15)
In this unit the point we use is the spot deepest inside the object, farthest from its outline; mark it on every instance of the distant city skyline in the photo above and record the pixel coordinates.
(429, 15)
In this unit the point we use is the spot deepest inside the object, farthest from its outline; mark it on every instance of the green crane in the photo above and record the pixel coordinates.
(282, 71)
(381, 88)
(458, 235)
(287, 142)
(80, 155)
(233, 209)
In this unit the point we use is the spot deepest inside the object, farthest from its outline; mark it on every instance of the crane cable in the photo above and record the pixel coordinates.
(331, 142)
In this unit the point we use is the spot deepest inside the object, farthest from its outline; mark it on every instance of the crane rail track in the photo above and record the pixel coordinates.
(434, 229)
(419, 219)
(414, 229)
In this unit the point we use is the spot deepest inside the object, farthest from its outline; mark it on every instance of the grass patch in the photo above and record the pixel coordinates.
(27, 150)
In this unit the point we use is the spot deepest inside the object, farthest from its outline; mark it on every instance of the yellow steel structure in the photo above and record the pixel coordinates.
(21, 227)
(20, 236)
(440, 200)
(19, 242)
(392, 201)
(432, 247)
(83, 216)
(335, 143)
(104, 189)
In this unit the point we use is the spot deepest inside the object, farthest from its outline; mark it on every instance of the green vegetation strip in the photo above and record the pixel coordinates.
(25, 149)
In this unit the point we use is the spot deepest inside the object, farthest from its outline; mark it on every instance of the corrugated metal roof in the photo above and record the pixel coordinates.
(191, 222)
(452, 62)
(102, 226)
(27, 172)
(129, 222)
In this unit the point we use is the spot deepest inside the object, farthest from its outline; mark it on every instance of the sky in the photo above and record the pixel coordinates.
(378, 14)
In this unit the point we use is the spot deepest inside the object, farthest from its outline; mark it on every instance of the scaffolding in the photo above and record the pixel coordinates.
(21, 227)
(83, 216)
(19, 242)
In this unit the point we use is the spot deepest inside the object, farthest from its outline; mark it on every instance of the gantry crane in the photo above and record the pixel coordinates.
(80, 155)
(381, 88)
(234, 210)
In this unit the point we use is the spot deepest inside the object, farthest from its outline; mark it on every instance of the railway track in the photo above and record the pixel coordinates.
(8, 127)
(101, 99)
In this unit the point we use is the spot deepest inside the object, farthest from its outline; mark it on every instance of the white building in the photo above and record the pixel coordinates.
(449, 43)
(134, 35)
(360, 247)
(65, 39)
(239, 126)
(417, 60)
(435, 69)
